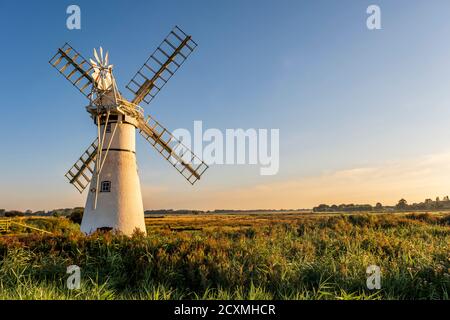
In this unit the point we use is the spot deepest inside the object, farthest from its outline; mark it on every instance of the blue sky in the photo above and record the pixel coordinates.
(344, 98)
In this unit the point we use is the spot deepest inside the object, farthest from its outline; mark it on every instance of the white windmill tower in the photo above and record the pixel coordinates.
(109, 165)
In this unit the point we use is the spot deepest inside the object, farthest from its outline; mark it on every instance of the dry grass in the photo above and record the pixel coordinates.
(251, 256)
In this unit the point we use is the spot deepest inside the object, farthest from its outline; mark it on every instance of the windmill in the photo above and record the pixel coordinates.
(108, 166)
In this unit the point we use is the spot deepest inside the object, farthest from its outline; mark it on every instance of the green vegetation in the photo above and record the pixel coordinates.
(265, 256)
(402, 205)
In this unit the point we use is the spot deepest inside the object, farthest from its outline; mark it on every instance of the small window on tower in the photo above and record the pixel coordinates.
(105, 186)
(108, 128)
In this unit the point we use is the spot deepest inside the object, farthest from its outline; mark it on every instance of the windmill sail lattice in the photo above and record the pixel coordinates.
(81, 172)
(161, 66)
(74, 68)
(173, 150)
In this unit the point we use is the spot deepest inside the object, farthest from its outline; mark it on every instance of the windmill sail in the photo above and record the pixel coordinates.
(81, 172)
(74, 68)
(161, 66)
(173, 150)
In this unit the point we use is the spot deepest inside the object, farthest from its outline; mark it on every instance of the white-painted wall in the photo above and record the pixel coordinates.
(122, 208)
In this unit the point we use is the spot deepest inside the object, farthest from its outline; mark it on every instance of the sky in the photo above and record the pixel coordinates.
(362, 114)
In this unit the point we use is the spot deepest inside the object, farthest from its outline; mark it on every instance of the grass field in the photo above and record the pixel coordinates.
(252, 256)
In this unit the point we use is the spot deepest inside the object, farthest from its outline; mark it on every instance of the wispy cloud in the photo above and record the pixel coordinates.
(413, 179)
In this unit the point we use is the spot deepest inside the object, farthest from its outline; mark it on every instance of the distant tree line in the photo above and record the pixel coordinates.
(187, 211)
(402, 205)
(171, 211)
(66, 212)
(428, 204)
(346, 207)
(78, 211)
(255, 210)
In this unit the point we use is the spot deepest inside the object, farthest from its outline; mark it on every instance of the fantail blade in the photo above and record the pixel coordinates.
(96, 56)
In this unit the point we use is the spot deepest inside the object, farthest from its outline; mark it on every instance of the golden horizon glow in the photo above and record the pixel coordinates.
(413, 179)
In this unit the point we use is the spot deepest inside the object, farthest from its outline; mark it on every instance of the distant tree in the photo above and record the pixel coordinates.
(379, 206)
(402, 204)
(321, 208)
(364, 207)
(445, 198)
(77, 215)
(2, 212)
(438, 204)
(13, 213)
(429, 204)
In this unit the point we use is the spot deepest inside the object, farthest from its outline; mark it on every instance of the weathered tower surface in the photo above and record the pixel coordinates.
(119, 201)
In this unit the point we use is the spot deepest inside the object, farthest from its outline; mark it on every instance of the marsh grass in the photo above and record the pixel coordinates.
(278, 256)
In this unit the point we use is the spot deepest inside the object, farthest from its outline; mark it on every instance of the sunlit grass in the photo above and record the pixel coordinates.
(267, 256)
